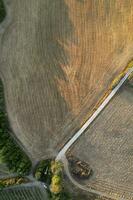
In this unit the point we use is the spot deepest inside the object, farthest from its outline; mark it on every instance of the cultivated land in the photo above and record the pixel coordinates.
(78, 194)
(57, 60)
(107, 146)
(33, 191)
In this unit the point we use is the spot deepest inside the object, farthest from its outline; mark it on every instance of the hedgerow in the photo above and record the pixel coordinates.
(51, 172)
(13, 181)
(10, 153)
(43, 172)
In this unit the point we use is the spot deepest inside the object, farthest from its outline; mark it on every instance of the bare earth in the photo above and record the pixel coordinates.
(57, 59)
(108, 147)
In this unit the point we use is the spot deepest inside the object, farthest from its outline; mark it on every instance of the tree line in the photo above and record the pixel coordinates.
(10, 153)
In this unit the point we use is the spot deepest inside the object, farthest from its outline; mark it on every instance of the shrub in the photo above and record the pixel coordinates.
(56, 167)
(57, 187)
(1, 186)
(12, 181)
(56, 184)
(2, 11)
(51, 172)
(56, 181)
(43, 171)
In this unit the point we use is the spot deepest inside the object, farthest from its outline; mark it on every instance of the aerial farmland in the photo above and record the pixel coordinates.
(60, 62)
(55, 68)
(107, 146)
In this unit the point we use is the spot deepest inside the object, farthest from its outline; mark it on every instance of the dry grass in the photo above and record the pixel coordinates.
(108, 147)
(57, 60)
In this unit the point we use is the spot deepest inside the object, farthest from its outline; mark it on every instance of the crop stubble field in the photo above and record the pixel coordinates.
(33, 191)
(107, 146)
(57, 60)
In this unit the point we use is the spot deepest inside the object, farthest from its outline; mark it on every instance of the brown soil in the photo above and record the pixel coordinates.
(57, 60)
(107, 146)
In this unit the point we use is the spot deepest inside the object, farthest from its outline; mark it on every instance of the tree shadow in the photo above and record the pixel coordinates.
(2, 11)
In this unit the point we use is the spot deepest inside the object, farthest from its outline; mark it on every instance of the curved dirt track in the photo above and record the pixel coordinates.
(84, 187)
(57, 59)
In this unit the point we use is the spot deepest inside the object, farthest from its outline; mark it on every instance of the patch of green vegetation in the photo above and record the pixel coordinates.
(12, 181)
(2, 11)
(51, 173)
(2, 186)
(15, 159)
(43, 172)
(0, 159)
